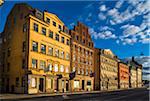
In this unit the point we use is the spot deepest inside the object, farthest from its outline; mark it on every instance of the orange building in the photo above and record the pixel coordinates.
(123, 75)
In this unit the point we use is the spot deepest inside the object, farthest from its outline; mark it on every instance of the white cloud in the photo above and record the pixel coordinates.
(130, 29)
(101, 16)
(138, 8)
(119, 3)
(103, 8)
(102, 28)
(145, 40)
(117, 41)
(130, 41)
(102, 35)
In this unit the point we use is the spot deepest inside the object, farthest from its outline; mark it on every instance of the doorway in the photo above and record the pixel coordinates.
(82, 84)
(67, 85)
(41, 85)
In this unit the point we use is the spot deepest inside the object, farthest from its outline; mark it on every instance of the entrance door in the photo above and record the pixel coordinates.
(82, 84)
(67, 85)
(41, 88)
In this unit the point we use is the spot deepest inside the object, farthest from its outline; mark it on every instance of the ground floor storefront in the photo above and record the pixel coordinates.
(82, 83)
(108, 84)
(47, 84)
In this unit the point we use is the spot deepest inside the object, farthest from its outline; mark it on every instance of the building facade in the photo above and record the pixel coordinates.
(106, 66)
(82, 61)
(123, 76)
(36, 52)
(132, 76)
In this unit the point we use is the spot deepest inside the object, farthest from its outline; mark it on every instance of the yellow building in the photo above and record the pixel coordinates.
(82, 61)
(37, 52)
(106, 70)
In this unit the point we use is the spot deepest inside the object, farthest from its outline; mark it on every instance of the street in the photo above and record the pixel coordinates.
(139, 94)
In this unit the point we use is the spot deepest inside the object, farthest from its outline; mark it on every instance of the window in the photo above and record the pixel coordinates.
(50, 83)
(83, 33)
(67, 70)
(8, 67)
(54, 23)
(61, 68)
(67, 56)
(56, 67)
(73, 69)
(89, 82)
(62, 55)
(86, 72)
(35, 27)
(43, 31)
(43, 49)
(82, 71)
(34, 63)
(57, 37)
(17, 81)
(25, 27)
(74, 57)
(50, 34)
(24, 46)
(50, 51)
(42, 64)
(68, 42)
(78, 70)
(35, 46)
(8, 52)
(50, 66)
(33, 82)
(79, 59)
(56, 52)
(59, 27)
(62, 39)
(23, 63)
(76, 84)
(47, 20)
(77, 37)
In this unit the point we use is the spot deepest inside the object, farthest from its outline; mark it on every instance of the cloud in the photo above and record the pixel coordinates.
(117, 41)
(137, 8)
(119, 3)
(145, 40)
(130, 41)
(102, 28)
(130, 30)
(102, 8)
(102, 35)
(101, 16)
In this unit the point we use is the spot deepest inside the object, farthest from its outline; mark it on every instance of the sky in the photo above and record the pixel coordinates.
(119, 25)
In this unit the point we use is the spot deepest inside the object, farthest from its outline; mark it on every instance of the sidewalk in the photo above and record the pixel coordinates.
(27, 96)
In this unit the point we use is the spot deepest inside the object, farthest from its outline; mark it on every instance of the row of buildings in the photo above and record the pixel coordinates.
(39, 54)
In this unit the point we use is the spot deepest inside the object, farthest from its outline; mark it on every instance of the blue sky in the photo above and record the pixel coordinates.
(122, 26)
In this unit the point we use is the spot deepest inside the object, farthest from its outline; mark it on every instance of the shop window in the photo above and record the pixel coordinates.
(76, 84)
(33, 82)
(17, 81)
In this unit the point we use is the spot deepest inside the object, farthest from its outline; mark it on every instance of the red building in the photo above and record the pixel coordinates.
(123, 75)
